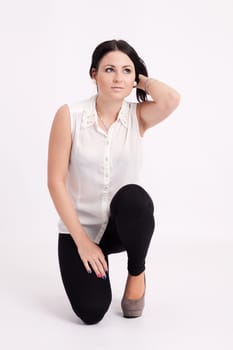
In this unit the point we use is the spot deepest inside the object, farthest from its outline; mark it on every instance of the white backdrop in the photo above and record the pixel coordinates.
(46, 49)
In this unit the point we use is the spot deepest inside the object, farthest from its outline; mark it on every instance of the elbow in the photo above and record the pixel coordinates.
(174, 100)
(50, 183)
(51, 186)
(54, 184)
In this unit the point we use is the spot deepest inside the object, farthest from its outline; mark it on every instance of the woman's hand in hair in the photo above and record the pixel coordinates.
(142, 82)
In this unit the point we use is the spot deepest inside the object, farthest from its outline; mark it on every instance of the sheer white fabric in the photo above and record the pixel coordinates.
(101, 163)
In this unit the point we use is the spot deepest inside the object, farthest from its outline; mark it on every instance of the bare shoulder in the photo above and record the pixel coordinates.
(60, 142)
(60, 139)
(61, 122)
(62, 115)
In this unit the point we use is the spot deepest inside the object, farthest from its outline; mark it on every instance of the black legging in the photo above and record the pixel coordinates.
(130, 228)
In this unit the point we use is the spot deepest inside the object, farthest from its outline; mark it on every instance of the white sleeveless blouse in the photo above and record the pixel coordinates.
(101, 163)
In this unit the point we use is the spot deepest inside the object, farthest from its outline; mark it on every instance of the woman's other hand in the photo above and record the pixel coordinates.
(92, 257)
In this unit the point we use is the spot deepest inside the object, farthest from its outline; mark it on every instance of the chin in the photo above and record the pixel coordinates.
(119, 94)
(115, 95)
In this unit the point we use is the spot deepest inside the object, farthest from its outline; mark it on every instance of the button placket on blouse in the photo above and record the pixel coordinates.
(106, 175)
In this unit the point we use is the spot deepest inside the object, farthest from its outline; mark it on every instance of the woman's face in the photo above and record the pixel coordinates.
(115, 75)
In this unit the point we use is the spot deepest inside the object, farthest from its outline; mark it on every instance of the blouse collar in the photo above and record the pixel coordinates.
(91, 116)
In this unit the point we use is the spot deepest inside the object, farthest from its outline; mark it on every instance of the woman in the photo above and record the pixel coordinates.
(94, 163)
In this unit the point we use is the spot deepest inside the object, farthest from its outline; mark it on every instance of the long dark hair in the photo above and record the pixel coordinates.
(120, 45)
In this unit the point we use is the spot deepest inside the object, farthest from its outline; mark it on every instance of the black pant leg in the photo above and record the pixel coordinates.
(110, 243)
(89, 296)
(132, 212)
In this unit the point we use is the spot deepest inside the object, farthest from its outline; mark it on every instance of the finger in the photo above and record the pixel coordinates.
(96, 267)
(100, 267)
(104, 263)
(103, 260)
(87, 266)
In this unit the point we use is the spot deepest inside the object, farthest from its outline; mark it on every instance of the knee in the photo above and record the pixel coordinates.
(132, 198)
(91, 314)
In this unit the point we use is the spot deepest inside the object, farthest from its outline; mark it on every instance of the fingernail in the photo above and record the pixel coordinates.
(89, 271)
(104, 277)
(99, 275)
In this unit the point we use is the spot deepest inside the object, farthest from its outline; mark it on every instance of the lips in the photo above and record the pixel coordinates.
(117, 87)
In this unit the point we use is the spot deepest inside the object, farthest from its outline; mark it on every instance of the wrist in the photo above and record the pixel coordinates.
(144, 83)
(147, 85)
(80, 238)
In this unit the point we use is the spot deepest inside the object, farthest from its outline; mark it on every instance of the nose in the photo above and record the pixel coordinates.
(117, 77)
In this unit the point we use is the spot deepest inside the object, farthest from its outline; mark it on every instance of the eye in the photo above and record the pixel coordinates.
(109, 69)
(127, 70)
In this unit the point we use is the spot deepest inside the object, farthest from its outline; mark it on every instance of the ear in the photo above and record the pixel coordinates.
(93, 73)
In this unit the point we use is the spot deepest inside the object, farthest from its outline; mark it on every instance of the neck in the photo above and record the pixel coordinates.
(108, 108)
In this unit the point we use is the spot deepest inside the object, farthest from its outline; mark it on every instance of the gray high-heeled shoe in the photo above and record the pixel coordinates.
(133, 308)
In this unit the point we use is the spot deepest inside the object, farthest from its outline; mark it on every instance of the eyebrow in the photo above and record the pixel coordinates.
(112, 65)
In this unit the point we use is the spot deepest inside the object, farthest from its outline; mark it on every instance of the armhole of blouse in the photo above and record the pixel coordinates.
(135, 118)
(72, 122)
